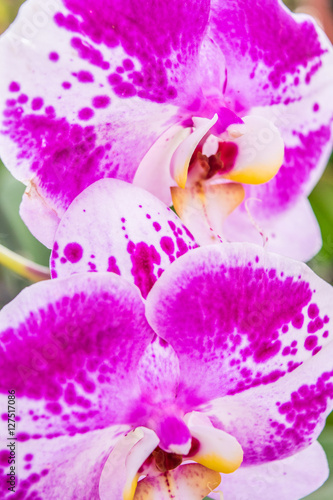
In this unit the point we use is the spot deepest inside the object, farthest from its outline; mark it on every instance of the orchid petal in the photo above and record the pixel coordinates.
(181, 158)
(70, 348)
(204, 207)
(136, 236)
(260, 151)
(286, 234)
(218, 450)
(272, 76)
(238, 317)
(276, 420)
(158, 372)
(63, 467)
(120, 473)
(153, 173)
(292, 89)
(188, 482)
(289, 479)
(110, 80)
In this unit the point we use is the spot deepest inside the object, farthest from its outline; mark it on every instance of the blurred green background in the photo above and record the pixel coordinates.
(15, 235)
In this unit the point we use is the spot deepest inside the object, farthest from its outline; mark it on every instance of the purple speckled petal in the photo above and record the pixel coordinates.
(53, 468)
(80, 84)
(116, 227)
(278, 419)
(289, 479)
(272, 75)
(291, 88)
(238, 317)
(72, 347)
(294, 233)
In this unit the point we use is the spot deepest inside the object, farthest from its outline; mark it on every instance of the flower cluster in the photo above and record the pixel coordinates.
(170, 355)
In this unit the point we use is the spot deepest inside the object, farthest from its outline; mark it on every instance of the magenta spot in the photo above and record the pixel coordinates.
(73, 252)
(101, 101)
(70, 394)
(22, 437)
(298, 321)
(266, 351)
(49, 110)
(316, 107)
(310, 342)
(54, 56)
(157, 226)
(85, 114)
(128, 64)
(22, 99)
(85, 77)
(4, 456)
(114, 79)
(66, 85)
(112, 266)
(167, 245)
(325, 334)
(14, 87)
(54, 408)
(144, 258)
(148, 216)
(124, 90)
(313, 311)
(37, 103)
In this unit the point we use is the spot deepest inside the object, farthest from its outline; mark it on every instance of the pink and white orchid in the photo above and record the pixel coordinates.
(205, 97)
(222, 374)
(240, 369)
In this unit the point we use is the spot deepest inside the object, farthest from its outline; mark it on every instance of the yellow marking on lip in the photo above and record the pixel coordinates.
(181, 176)
(218, 463)
(254, 174)
(129, 491)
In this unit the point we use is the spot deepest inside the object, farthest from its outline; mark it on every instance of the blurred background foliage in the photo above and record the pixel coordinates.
(15, 235)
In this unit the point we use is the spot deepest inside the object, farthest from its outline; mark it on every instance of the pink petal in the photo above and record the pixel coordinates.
(136, 235)
(294, 233)
(238, 317)
(289, 479)
(279, 419)
(273, 75)
(70, 348)
(51, 468)
(77, 96)
(290, 87)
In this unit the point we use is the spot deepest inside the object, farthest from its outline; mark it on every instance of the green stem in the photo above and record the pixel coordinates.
(22, 266)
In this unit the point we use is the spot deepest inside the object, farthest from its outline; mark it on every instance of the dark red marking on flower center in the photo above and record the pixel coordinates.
(166, 461)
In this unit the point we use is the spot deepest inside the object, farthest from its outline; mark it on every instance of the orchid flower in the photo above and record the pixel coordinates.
(220, 371)
(223, 374)
(208, 98)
